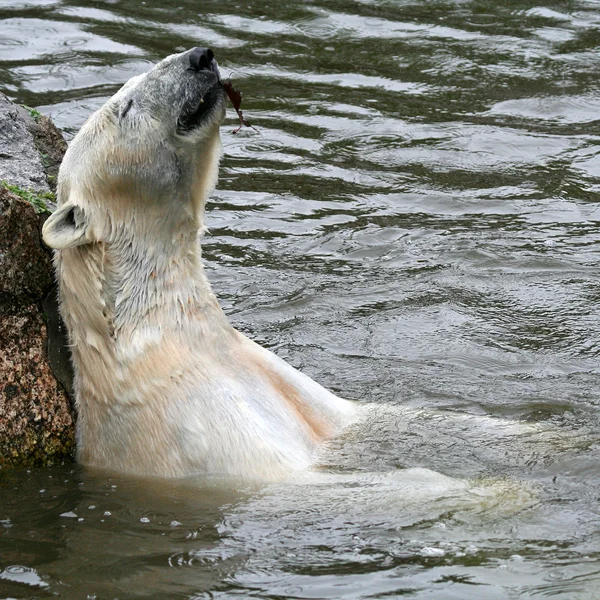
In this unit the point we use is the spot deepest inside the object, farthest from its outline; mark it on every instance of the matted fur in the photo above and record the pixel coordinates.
(164, 385)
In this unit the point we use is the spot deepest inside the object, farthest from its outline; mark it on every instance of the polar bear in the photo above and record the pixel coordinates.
(164, 386)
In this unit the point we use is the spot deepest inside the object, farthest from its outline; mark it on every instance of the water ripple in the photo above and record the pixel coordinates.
(415, 225)
(37, 39)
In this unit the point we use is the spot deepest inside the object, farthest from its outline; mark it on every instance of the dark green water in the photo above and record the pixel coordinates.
(415, 225)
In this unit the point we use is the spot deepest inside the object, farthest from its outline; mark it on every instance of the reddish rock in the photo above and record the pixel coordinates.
(36, 417)
(36, 421)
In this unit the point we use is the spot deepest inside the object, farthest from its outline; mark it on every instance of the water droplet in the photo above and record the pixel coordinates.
(428, 551)
(21, 574)
(517, 558)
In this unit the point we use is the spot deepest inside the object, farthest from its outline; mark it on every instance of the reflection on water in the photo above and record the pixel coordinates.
(415, 225)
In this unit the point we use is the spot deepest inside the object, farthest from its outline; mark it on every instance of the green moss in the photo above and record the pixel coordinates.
(37, 450)
(36, 199)
(36, 114)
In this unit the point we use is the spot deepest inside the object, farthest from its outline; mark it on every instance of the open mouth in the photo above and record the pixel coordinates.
(194, 113)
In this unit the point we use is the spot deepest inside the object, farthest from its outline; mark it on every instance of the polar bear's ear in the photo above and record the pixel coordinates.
(67, 227)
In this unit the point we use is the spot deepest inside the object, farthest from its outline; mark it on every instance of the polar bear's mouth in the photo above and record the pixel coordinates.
(195, 112)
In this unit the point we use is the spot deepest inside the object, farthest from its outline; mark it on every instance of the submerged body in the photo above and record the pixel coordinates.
(164, 385)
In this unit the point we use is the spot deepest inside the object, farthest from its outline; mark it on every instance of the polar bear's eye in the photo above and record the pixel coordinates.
(126, 108)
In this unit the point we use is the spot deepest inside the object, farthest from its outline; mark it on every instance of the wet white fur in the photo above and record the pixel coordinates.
(164, 385)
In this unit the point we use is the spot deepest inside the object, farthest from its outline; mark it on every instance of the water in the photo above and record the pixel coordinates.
(415, 226)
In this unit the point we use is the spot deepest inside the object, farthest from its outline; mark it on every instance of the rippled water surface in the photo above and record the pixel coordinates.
(415, 225)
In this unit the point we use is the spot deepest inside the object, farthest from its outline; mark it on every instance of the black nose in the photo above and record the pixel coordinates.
(201, 58)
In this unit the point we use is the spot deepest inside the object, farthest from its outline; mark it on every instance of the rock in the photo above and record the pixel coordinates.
(20, 162)
(48, 140)
(36, 417)
(25, 265)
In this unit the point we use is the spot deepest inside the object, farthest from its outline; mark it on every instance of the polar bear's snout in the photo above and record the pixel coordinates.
(184, 90)
(201, 64)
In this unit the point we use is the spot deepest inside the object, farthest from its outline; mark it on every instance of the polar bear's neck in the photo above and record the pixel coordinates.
(156, 277)
(121, 299)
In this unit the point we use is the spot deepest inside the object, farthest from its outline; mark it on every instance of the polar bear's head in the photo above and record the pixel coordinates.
(149, 155)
